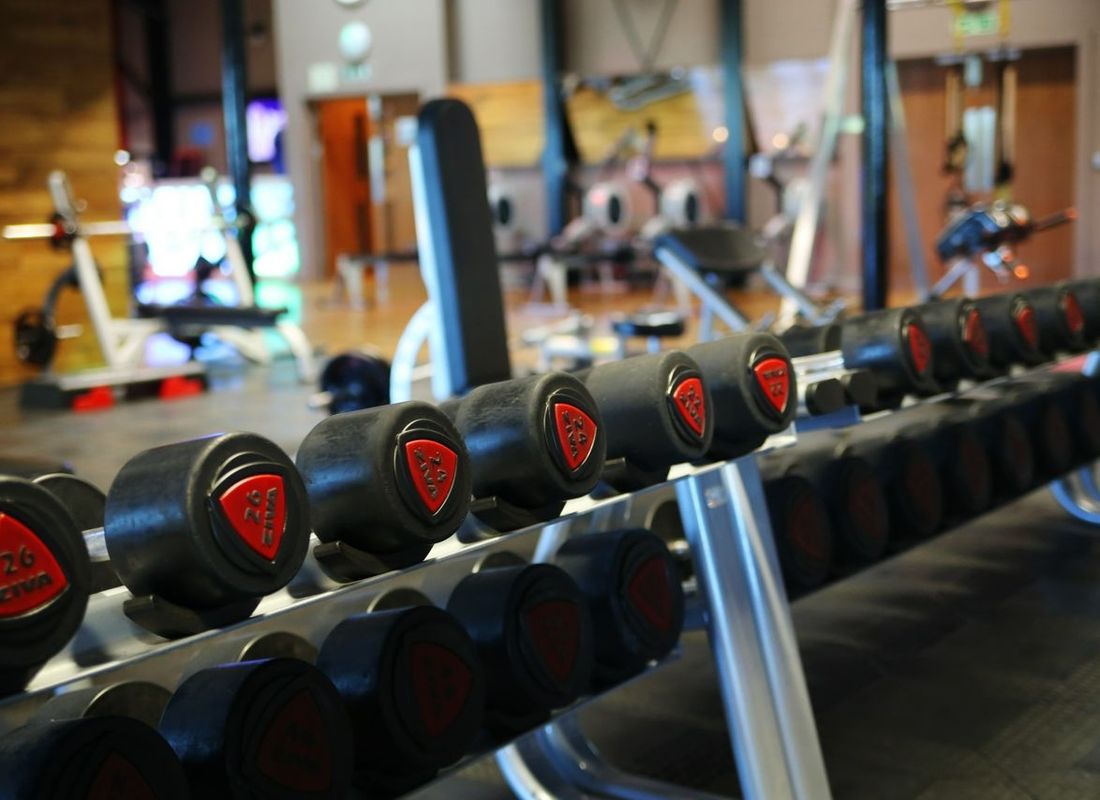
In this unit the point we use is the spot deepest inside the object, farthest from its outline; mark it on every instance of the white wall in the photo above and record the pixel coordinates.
(408, 55)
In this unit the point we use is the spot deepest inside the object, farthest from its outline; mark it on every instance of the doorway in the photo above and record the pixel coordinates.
(367, 191)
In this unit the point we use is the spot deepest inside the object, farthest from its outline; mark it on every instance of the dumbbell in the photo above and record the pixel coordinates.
(1087, 292)
(88, 759)
(273, 728)
(533, 443)
(959, 453)
(635, 599)
(45, 579)
(1059, 318)
(657, 412)
(412, 682)
(1044, 416)
(265, 727)
(853, 493)
(1075, 396)
(384, 485)
(960, 345)
(1012, 330)
(905, 463)
(84, 501)
(200, 531)
(893, 345)
(533, 633)
(1003, 435)
(753, 390)
(801, 529)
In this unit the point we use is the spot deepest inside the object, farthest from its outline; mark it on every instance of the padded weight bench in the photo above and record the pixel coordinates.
(186, 316)
(238, 326)
(653, 326)
(707, 258)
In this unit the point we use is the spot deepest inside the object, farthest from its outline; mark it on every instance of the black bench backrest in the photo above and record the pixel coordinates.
(463, 259)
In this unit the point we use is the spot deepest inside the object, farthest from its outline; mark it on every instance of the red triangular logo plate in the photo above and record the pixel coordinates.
(116, 778)
(30, 576)
(919, 348)
(294, 751)
(256, 509)
(441, 682)
(691, 404)
(773, 374)
(555, 631)
(576, 432)
(649, 592)
(433, 468)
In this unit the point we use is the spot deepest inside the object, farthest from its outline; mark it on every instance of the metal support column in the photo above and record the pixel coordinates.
(234, 89)
(733, 96)
(555, 168)
(875, 146)
(158, 62)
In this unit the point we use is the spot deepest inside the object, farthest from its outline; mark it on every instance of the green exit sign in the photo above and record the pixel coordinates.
(986, 22)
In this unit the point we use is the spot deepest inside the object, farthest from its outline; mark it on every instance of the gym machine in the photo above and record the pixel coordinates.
(122, 341)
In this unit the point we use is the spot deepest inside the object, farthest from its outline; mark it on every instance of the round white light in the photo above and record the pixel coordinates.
(355, 42)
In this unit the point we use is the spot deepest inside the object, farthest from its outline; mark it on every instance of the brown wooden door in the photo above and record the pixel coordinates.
(345, 130)
(1045, 148)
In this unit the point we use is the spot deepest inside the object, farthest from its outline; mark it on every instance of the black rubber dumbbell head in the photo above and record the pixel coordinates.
(88, 759)
(1087, 292)
(82, 499)
(533, 633)
(907, 468)
(414, 688)
(803, 535)
(45, 578)
(960, 346)
(1059, 319)
(386, 479)
(657, 410)
(208, 522)
(634, 595)
(534, 442)
(273, 729)
(894, 345)
(808, 340)
(860, 512)
(1011, 328)
(752, 387)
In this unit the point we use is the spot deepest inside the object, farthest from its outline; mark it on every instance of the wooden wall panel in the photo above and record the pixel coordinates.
(598, 123)
(57, 103)
(509, 116)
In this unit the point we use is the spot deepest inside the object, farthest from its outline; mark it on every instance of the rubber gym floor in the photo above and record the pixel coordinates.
(967, 667)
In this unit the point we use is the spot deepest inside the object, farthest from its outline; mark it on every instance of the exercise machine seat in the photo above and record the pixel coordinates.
(184, 316)
(723, 249)
(659, 324)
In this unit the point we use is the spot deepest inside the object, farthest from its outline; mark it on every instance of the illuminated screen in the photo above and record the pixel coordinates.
(265, 119)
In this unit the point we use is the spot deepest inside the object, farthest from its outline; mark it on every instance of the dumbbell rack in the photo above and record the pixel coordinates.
(740, 593)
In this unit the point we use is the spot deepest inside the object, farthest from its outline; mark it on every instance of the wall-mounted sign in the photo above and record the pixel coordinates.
(970, 19)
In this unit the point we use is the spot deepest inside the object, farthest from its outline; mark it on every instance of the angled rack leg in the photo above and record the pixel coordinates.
(763, 687)
(558, 761)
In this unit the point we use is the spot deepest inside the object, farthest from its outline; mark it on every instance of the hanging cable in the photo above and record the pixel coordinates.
(646, 55)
